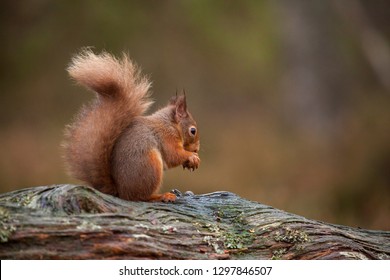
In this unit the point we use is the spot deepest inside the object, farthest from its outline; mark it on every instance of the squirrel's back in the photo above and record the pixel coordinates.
(122, 95)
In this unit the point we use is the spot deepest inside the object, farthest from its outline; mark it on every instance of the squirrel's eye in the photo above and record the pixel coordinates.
(193, 130)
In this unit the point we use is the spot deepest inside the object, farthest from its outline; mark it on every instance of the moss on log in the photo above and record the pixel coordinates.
(78, 222)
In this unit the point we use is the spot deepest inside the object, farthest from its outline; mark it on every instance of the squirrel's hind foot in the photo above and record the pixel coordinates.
(165, 197)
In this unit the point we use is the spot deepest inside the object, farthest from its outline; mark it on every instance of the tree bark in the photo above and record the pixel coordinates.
(78, 222)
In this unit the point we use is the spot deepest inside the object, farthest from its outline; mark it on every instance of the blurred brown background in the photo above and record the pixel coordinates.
(292, 97)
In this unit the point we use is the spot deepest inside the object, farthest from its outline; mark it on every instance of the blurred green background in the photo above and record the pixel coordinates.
(292, 97)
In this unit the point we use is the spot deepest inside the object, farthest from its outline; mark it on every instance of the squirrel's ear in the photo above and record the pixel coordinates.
(181, 107)
(173, 99)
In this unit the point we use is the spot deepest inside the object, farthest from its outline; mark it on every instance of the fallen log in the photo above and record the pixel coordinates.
(78, 222)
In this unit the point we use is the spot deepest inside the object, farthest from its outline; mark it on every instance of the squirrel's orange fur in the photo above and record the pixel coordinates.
(112, 146)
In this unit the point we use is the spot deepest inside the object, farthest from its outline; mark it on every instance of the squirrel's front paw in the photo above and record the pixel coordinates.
(192, 163)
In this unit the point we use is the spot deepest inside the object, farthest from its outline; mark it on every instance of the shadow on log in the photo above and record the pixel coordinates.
(77, 222)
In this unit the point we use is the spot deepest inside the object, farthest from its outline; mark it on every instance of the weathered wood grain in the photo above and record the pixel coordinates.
(78, 222)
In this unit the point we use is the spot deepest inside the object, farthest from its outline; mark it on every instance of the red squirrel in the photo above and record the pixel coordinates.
(112, 145)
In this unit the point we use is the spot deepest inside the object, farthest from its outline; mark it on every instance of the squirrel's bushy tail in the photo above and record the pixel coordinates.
(122, 94)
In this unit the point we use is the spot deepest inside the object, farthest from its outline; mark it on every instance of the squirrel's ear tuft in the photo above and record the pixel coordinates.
(172, 100)
(181, 107)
